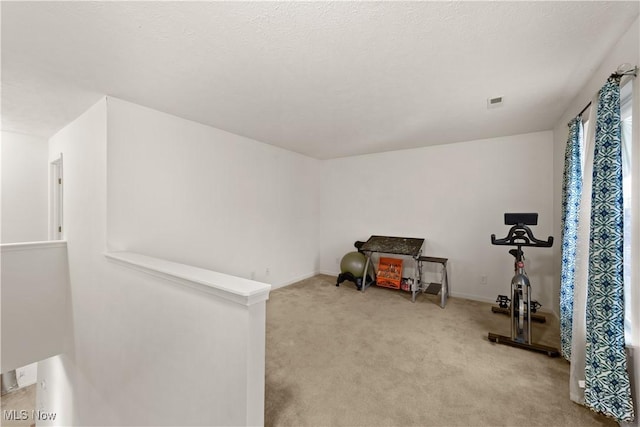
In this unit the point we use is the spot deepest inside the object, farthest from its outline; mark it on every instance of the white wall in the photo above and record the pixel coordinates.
(627, 50)
(452, 195)
(180, 355)
(27, 375)
(35, 294)
(190, 193)
(144, 350)
(75, 381)
(24, 188)
(54, 391)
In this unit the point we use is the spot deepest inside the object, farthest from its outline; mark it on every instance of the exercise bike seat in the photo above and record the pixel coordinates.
(514, 252)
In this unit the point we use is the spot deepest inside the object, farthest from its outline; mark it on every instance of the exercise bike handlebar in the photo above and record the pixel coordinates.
(521, 235)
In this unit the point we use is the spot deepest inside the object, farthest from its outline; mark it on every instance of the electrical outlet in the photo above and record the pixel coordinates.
(483, 280)
(253, 275)
(267, 271)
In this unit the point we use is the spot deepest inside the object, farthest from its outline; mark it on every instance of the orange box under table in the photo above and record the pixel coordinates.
(389, 273)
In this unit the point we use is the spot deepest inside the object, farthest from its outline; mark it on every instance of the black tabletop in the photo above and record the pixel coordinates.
(393, 245)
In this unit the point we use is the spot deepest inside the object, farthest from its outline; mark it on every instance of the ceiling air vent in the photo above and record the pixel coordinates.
(496, 102)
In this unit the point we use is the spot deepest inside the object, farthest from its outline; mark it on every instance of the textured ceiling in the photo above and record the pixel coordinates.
(326, 79)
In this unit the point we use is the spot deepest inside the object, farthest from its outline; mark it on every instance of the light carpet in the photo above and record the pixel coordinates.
(338, 357)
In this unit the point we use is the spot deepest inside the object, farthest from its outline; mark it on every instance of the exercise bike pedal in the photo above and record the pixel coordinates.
(503, 301)
(535, 305)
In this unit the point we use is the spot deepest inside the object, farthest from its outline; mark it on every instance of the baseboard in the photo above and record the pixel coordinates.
(472, 297)
(329, 273)
(493, 301)
(292, 281)
(453, 294)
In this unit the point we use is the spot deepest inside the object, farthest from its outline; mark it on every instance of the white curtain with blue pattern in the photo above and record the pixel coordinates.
(607, 386)
(599, 377)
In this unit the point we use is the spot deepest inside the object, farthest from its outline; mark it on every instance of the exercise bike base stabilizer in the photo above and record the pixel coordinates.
(521, 303)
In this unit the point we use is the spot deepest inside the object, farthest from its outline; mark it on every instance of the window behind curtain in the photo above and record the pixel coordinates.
(626, 125)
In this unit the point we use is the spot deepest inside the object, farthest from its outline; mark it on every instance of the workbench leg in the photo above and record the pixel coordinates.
(366, 269)
(417, 282)
(444, 291)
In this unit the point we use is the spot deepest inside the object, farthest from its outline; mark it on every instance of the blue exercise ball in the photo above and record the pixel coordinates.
(353, 263)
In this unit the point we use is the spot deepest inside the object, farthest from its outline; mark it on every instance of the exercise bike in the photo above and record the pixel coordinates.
(521, 308)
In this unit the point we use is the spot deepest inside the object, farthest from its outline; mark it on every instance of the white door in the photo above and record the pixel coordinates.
(55, 214)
